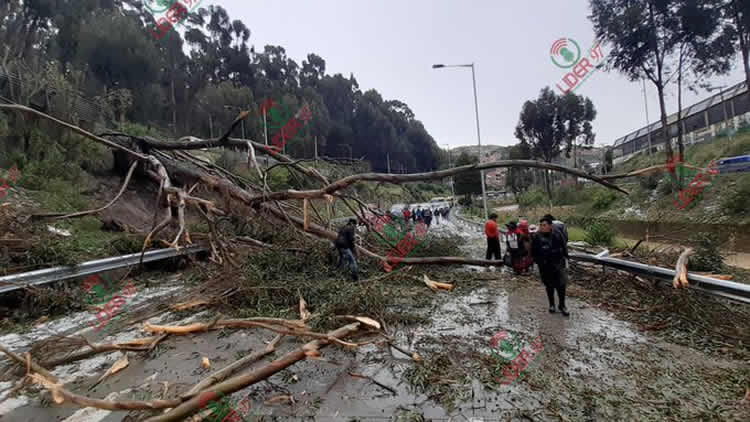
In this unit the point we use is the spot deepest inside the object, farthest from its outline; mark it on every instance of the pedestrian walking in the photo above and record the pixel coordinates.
(427, 216)
(493, 238)
(345, 245)
(548, 250)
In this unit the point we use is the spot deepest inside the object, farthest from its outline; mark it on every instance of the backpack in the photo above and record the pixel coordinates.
(560, 228)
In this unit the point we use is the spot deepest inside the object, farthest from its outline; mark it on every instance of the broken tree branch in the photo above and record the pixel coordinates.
(138, 345)
(680, 276)
(223, 373)
(60, 216)
(241, 381)
(24, 362)
(418, 177)
(648, 171)
(76, 129)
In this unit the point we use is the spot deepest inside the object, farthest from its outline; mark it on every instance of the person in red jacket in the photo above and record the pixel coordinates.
(493, 238)
(406, 214)
(523, 264)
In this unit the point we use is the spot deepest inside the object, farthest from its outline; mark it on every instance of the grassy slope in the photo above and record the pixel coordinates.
(656, 200)
(709, 205)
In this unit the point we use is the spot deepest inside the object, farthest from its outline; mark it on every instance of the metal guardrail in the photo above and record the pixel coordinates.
(728, 289)
(51, 275)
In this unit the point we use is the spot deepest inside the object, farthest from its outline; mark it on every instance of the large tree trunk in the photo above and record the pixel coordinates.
(680, 145)
(659, 81)
(664, 129)
(744, 35)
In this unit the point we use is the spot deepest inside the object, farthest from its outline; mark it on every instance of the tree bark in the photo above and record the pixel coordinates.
(239, 382)
(744, 41)
(658, 80)
(417, 177)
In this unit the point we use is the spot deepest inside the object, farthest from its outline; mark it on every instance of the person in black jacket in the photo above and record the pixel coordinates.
(549, 250)
(345, 245)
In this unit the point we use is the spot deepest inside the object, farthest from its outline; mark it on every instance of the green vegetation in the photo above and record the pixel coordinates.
(532, 198)
(87, 241)
(101, 63)
(737, 200)
(599, 234)
(275, 277)
(707, 255)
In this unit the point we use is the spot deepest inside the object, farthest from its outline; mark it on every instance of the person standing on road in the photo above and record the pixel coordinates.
(437, 216)
(525, 262)
(427, 216)
(548, 251)
(345, 245)
(493, 238)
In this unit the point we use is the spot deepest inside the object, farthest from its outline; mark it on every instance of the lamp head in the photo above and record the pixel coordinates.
(437, 66)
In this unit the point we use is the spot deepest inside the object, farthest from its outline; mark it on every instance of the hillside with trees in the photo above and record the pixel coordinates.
(100, 63)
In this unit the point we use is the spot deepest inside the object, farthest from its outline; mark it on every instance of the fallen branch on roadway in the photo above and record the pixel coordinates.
(241, 381)
(680, 276)
(182, 407)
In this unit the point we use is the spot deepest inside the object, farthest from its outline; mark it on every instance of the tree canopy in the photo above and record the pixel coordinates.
(552, 121)
(194, 79)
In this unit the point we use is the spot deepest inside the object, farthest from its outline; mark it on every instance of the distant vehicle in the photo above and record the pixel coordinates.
(441, 199)
(737, 164)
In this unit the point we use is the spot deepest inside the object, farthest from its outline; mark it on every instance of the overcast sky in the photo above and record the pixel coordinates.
(391, 46)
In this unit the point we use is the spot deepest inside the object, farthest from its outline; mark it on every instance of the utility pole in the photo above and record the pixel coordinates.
(316, 149)
(388, 157)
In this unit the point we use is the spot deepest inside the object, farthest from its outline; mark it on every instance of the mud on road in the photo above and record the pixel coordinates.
(593, 366)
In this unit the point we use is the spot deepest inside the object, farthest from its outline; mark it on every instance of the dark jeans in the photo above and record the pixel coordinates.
(428, 221)
(555, 278)
(493, 248)
(346, 255)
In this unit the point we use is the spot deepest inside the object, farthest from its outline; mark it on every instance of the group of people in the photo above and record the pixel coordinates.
(547, 246)
(426, 215)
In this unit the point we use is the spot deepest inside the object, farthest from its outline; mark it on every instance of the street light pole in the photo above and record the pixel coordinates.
(479, 137)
